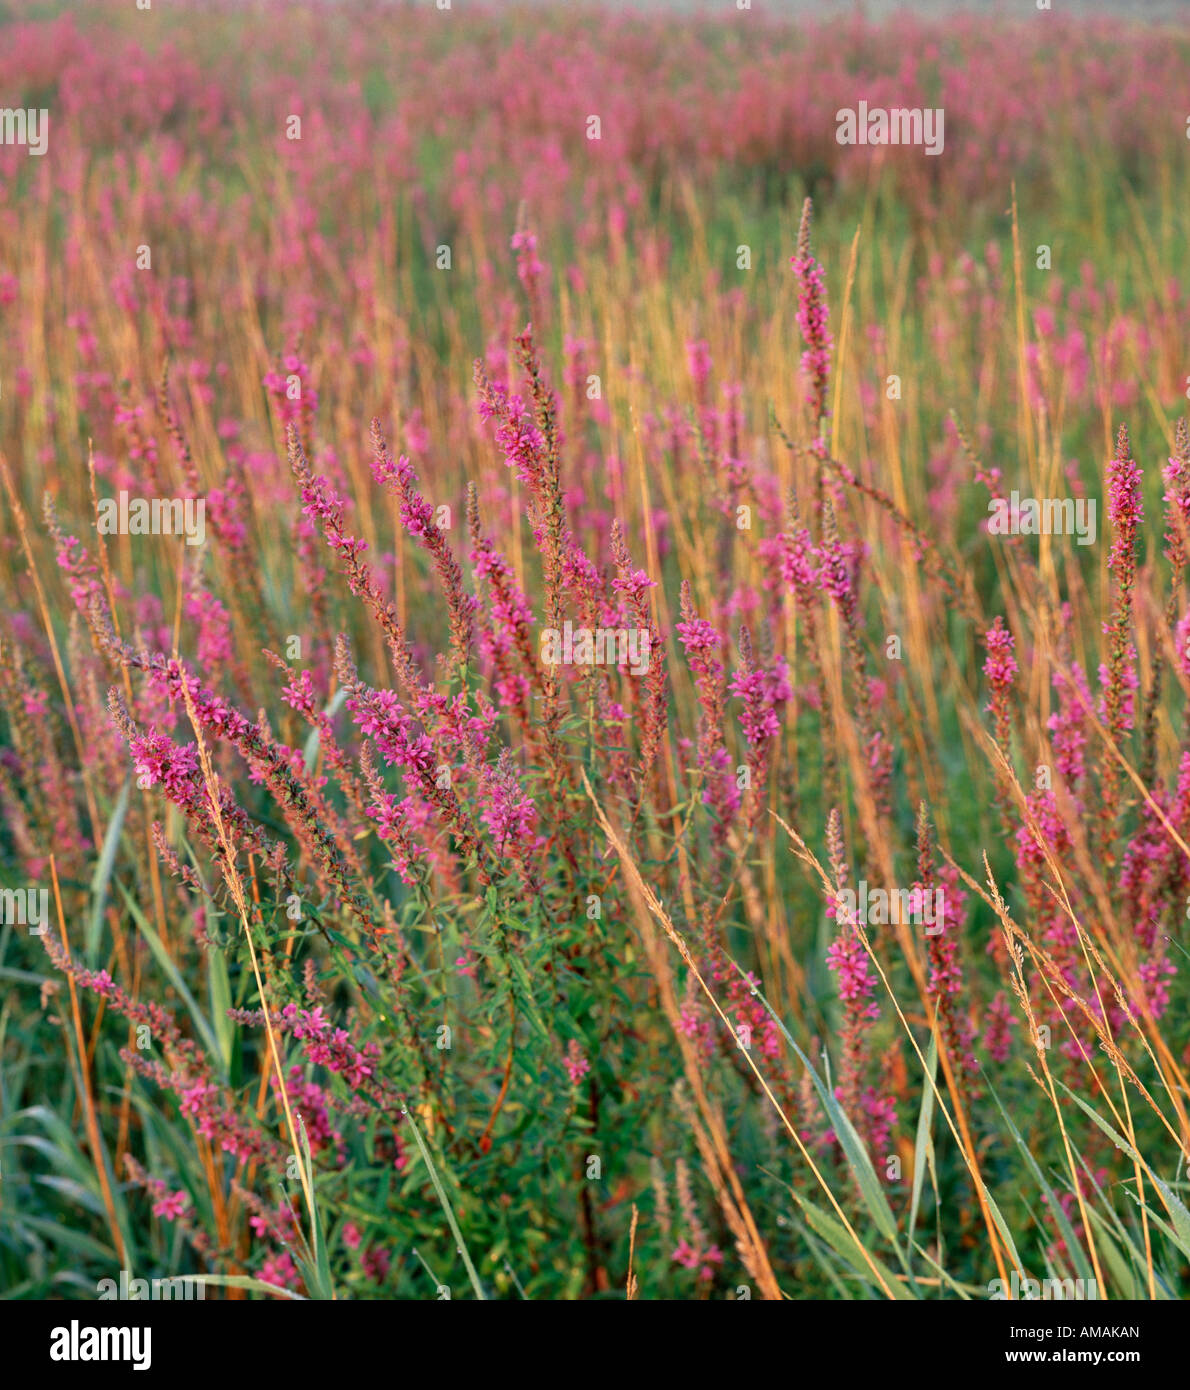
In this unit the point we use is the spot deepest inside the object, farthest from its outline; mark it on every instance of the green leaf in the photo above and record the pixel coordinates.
(446, 1207)
(244, 1281)
(1127, 1284)
(220, 995)
(101, 879)
(316, 1266)
(78, 1241)
(1178, 1214)
(849, 1250)
(924, 1142)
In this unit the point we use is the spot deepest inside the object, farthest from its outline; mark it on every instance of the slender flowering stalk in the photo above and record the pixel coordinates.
(1176, 476)
(300, 695)
(392, 817)
(505, 808)
(945, 984)
(1000, 670)
(504, 622)
(530, 441)
(1125, 508)
(632, 586)
(529, 268)
(321, 504)
(848, 961)
(839, 571)
(764, 694)
(998, 1025)
(701, 641)
(813, 317)
(417, 517)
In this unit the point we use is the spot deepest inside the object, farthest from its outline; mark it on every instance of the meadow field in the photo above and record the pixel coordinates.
(594, 681)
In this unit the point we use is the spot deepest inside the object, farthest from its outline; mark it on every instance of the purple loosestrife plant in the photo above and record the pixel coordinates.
(813, 317)
(701, 641)
(1125, 508)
